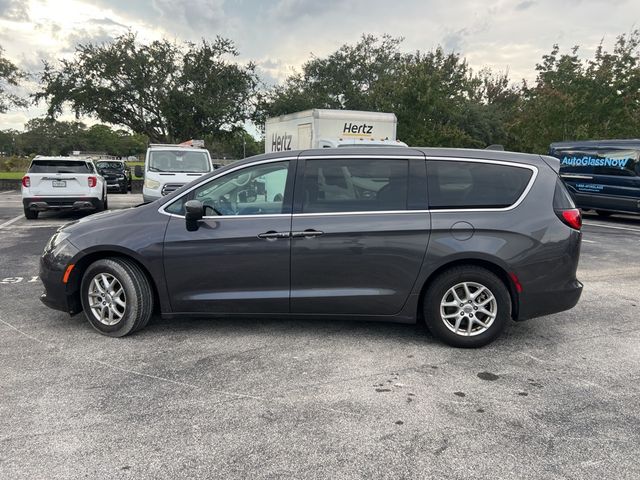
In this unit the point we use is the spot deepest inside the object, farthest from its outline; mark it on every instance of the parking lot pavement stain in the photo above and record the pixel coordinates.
(460, 394)
(488, 376)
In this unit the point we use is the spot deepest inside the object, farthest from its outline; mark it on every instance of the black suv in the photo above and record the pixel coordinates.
(466, 240)
(116, 173)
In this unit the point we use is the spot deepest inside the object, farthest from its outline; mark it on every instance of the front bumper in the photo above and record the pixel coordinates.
(531, 305)
(41, 204)
(56, 293)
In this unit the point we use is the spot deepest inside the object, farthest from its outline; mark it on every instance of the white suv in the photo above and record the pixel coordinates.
(62, 183)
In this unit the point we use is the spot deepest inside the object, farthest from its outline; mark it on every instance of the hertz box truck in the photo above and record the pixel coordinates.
(320, 128)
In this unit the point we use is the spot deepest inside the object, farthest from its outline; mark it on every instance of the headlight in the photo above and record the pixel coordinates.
(60, 254)
(55, 240)
(152, 184)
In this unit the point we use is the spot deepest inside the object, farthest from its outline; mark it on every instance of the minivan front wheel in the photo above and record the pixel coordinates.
(467, 306)
(116, 297)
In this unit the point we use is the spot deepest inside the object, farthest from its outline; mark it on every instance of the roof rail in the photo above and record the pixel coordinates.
(168, 145)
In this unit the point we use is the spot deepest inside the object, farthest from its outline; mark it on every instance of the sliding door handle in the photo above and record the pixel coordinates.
(309, 233)
(273, 235)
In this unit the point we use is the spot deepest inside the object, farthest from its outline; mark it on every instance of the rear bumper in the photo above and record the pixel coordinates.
(117, 184)
(537, 304)
(60, 203)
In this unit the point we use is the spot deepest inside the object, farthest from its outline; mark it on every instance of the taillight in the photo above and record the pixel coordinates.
(92, 182)
(26, 181)
(570, 217)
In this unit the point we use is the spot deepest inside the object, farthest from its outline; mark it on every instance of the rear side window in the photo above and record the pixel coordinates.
(355, 185)
(58, 166)
(454, 184)
(622, 163)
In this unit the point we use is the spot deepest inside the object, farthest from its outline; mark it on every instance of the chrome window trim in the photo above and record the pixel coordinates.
(533, 168)
(239, 167)
(368, 212)
(520, 199)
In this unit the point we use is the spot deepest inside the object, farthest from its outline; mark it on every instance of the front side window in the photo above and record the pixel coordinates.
(178, 161)
(454, 184)
(355, 185)
(255, 190)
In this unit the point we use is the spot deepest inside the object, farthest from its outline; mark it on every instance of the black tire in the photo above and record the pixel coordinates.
(124, 189)
(603, 213)
(105, 203)
(30, 214)
(137, 290)
(440, 287)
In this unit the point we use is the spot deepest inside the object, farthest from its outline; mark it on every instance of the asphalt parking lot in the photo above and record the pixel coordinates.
(554, 397)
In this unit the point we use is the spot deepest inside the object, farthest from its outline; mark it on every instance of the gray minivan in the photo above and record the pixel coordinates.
(463, 239)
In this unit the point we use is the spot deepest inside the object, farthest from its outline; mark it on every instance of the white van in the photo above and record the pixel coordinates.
(168, 167)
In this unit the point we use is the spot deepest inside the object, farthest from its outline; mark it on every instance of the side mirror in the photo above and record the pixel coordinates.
(138, 171)
(194, 211)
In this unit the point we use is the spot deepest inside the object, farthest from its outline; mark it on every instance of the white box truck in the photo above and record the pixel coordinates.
(320, 128)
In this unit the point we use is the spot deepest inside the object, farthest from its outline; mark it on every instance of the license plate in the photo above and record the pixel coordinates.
(59, 183)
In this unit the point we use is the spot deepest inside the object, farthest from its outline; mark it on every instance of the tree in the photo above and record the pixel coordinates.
(165, 91)
(437, 98)
(10, 76)
(351, 78)
(574, 99)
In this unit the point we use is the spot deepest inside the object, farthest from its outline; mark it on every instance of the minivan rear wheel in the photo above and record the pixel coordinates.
(116, 297)
(467, 306)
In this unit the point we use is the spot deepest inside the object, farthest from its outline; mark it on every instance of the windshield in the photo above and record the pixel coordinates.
(59, 166)
(178, 161)
(110, 165)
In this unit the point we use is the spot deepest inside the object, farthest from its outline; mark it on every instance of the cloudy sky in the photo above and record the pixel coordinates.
(279, 35)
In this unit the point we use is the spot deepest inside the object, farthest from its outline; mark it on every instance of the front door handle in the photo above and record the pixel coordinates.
(308, 233)
(273, 235)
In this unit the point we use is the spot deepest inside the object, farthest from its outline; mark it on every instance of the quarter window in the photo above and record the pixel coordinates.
(454, 184)
(355, 185)
(254, 190)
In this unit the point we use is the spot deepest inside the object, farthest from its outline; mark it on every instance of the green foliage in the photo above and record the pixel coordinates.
(50, 137)
(168, 93)
(437, 98)
(165, 91)
(581, 99)
(10, 76)
(235, 144)
(15, 165)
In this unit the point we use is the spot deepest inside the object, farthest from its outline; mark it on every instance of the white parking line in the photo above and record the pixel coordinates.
(615, 227)
(9, 222)
(588, 241)
(8, 192)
